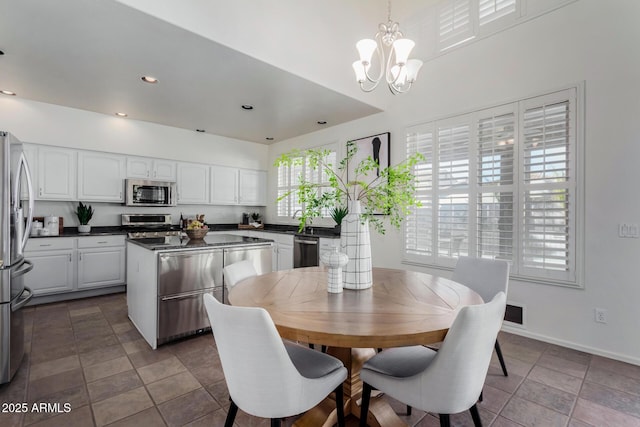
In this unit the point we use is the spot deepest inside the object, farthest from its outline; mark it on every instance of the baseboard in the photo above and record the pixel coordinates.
(66, 296)
(572, 345)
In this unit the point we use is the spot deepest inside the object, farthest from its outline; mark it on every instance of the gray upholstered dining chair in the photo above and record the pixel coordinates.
(447, 381)
(487, 277)
(266, 377)
(233, 273)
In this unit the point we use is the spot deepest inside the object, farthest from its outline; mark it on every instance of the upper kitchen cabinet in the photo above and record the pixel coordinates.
(101, 177)
(224, 185)
(193, 184)
(252, 187)
(56, 174)
(146, 168)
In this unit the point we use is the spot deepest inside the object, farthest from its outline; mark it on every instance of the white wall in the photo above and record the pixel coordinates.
(49, 124)
(590, 41)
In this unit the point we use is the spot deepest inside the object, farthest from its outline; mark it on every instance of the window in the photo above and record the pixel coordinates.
(500, 183)
(288, 178)
(462, 20)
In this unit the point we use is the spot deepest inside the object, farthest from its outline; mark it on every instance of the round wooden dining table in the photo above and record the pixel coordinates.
(401, 308)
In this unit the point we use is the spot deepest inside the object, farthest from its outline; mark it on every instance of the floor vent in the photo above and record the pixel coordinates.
(514, 314)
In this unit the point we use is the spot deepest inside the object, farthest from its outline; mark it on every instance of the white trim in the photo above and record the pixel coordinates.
(571, 344)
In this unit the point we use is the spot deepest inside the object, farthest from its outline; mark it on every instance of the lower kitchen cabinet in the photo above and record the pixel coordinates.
(67, 265)
(101, 261)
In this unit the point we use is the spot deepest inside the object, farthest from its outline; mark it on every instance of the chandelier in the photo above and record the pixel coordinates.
(393, 64)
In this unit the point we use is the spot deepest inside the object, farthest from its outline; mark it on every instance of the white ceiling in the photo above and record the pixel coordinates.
(91, 55)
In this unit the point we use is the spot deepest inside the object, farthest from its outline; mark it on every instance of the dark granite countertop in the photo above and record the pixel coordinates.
(174, 243)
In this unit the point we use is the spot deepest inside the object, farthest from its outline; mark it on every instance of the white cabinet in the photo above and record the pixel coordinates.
(193, 183)
(101, 261)
(100, 177)
(224, 185)
(53, 265)
(147, 168)
(285, 256)
(56, 174)
(252, 187)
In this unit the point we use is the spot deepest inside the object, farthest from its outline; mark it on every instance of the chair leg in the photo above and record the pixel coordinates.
(323, 348)
(231, 414)
(501, 359)
(364, 406)
(275, 422)
(444, 420)
(409, 410)
(340, 405)
(476, 416)
(480, 398)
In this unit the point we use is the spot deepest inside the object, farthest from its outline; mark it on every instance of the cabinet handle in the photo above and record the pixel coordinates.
(102, 242)
(69, 257)
(147, 174)
(80, 256)
(44, 246)
(40, 191)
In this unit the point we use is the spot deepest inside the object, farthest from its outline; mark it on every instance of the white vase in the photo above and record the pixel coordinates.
(355, 242)
(84, 228)
(334, 261)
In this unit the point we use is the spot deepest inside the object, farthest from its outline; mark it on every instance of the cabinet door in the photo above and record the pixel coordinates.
(164, 170)
(285, 257)
(224, 185)
(252, 187)
(56, 174)
(139, 167)
(52, 272)
(100, 177)
(100, 267)
(193, 183)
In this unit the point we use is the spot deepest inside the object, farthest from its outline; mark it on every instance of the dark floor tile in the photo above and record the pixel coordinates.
(76, 397)
(552, 398)
(563, 365)
(220, 393)
(209, 374)
(611, 398)
(130, 335)
(77, 417)
(95, 343)
(598, 415)
(101, 355)
(55, 384)
(121, 406)
(42, 353)
(215, 418)
(556, 379)
(147, 418)
(531, 414)
(172, 387)
(188, 408)
(147, 356)
(615, 366)
(575, 356)
(206, 355)
(493, 399)
(614, 380)
(508, 384)
(113, 385)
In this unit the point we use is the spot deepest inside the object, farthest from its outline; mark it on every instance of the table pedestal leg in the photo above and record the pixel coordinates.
(380, 412)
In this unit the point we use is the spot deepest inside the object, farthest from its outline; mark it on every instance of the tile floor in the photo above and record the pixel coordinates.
(87, 354)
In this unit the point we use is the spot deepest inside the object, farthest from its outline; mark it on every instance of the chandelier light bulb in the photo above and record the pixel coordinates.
(393, 51)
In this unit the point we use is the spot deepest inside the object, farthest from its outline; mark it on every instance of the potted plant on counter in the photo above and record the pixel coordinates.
(337, 214)
(84, 214)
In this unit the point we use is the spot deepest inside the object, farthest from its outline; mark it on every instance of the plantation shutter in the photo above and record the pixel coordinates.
(284, 185)
(453, 190)
(454, 23)
(549, 186)
(496, 158)
(490, 10)
(418, 225)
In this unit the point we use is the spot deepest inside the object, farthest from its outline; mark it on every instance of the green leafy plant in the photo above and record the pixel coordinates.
(338, 213)
(392, 191)
(255, 216)
(84, 213)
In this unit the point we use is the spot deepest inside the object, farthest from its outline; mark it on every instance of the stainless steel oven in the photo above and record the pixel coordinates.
(141, 192)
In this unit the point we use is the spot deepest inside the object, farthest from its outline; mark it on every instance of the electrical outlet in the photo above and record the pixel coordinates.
(601, 315)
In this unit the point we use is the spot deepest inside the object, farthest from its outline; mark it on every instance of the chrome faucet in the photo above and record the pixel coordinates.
(305, 229)
(296, 213)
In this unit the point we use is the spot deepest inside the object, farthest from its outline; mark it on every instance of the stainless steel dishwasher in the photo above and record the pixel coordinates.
(306, 251)
(183, 278)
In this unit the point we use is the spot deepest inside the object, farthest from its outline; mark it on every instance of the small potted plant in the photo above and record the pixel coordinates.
(337, 214)
(84, 214)
(255, 217)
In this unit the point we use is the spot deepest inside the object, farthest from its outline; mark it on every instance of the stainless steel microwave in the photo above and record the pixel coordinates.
(140, 192)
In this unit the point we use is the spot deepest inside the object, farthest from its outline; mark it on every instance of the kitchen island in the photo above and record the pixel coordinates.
(168, 276)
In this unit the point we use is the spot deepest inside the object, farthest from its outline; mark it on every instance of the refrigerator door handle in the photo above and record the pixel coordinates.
(23, 270)
(16, 198)
(17, 306)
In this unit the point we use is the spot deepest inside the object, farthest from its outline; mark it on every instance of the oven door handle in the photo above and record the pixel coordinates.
(306, 242)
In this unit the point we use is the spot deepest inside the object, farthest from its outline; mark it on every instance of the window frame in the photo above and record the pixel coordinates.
(430, 258)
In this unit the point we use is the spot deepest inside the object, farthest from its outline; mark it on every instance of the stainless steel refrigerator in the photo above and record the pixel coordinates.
(14, 232)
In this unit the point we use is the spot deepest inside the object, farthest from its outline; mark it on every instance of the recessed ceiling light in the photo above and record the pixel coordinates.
(7, 92)
(247, 107)
(121, 114)
(269, 138)
(322, 122)
(149, 79)
(200, 130)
